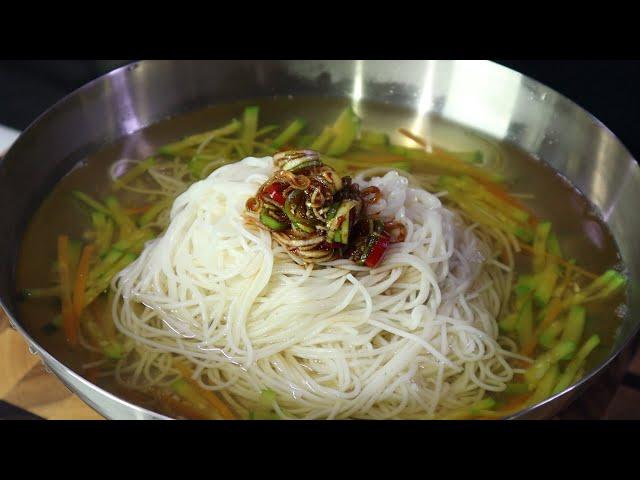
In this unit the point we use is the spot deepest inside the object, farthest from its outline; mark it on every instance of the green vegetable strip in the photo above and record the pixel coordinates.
(249, 128)
(134, 173)
(474, 410)
(110, 348)
(468, 157)
(289, 133)
(575, 325)
(553, 246)
(264, 130)
(546, 283)
(509, 322)
(369, 137)
(105, 264)
(545, 361)
(117, 251)
(607, 283)
(545, 387)
(526, 281)
(103, 282)
(93, 204)
(345, 129)
(271, 222)
(154, 211)
(524, 327)
(127, 227)
(539, 245)
(104, 231)
(550, 334)
(197, 165)
(320, 143)
(263, 416)
(570, 373)
(194, 140)
(267, 399)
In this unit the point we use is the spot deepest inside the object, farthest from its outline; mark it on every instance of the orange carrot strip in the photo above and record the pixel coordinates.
(209, 396)
(137, 210)
(419, 140)
(586, 273)
(502, 194)
(65, 290)
(490, 186)
(81, 283)
(460, 166)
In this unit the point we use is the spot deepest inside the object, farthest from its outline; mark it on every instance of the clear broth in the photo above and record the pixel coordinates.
(582, 234)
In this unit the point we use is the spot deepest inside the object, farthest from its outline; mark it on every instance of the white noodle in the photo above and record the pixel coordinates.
(413, 338)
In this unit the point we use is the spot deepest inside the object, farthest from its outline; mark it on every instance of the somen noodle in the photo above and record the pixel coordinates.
(416, 337)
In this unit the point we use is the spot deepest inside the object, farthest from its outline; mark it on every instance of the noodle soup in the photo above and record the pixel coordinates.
(502, 288)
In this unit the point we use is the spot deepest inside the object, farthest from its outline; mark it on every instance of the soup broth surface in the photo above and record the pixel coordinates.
(581, 233)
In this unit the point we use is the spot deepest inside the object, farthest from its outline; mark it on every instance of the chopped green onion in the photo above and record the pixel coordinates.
(271, 222)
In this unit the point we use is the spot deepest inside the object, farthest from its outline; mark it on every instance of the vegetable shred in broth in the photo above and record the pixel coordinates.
(581, 233)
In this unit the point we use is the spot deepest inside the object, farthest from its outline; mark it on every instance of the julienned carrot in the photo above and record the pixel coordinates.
(81, 283)
(65, 290)
(490, 186)
(504, 195)
(586, 273)
(419, 140)
(137, 210)
(209, 396)
(454, 163)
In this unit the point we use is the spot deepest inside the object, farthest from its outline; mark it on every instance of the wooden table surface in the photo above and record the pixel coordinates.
(24, 382)
(27, 390)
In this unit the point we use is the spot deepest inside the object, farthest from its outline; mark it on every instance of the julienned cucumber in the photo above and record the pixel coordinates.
(345, 130)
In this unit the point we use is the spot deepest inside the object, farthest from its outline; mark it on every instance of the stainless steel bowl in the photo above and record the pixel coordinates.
(482, 95)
